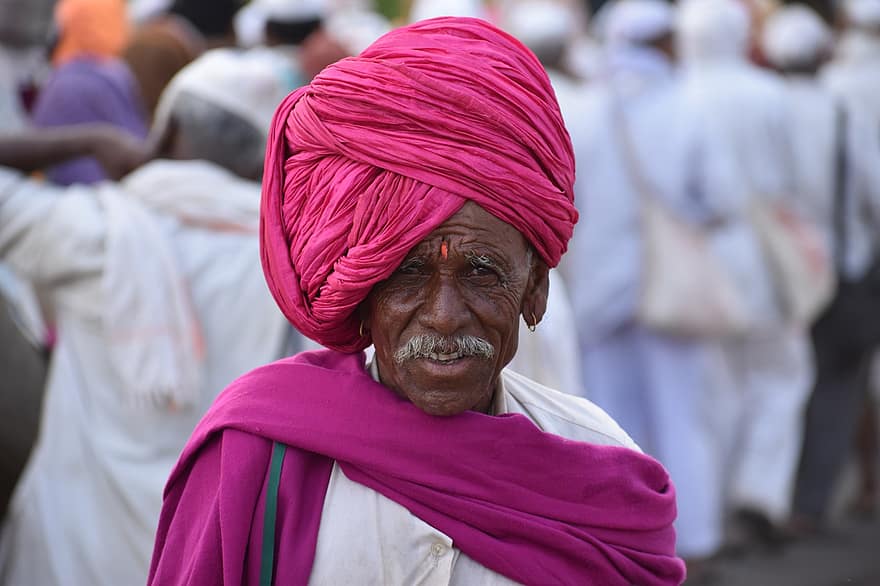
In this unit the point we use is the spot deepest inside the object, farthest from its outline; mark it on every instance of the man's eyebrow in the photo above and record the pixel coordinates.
(485, 261)
(413, 261)
(480, 259)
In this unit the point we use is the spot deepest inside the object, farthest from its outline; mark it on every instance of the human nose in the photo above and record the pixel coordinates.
(444, 309)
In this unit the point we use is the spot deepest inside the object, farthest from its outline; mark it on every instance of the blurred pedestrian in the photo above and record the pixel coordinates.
(214, 19)
(550, 356)
(155, 282)
(156, 51)
(769, 372)
(854, 72)
(637, 138)
(838, 177)
(89, 82)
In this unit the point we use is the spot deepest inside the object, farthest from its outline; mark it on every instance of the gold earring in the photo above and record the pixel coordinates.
(534, 325)
(361, 329)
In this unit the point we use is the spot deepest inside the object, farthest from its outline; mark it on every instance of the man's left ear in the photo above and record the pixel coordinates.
(534, 303)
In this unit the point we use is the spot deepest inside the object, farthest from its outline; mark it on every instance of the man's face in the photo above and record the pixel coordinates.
(465, 285)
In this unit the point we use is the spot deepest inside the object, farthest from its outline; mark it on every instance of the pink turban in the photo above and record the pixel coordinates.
(380, 149)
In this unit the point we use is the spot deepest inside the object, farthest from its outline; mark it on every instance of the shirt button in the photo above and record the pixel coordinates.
(438, 549)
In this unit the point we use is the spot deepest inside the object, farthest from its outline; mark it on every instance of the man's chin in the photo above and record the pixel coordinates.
(443, 408)
(451, 397)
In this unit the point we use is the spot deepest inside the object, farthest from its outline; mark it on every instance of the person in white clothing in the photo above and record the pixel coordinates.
(550, 355)
(854, 72)
(759, 402)
(155, 284)
(854, 75)
(653, 382)
(837, 167)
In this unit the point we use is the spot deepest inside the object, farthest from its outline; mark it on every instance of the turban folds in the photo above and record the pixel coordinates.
(380, 149)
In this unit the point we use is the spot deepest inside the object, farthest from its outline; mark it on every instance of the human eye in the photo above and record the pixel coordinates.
(411, 266)
(484, 269)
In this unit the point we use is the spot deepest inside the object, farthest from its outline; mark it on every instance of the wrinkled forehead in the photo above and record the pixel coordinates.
(472, 227)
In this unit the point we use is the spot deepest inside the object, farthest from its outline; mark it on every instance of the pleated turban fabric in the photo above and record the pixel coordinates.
(380, 149)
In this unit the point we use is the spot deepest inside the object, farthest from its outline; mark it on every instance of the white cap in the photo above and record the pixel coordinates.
(712, 29)
(250, 20)
(540, 23)
(422, 9)
(250, 25)
(231, 79)
(633, 22)
(863, 13)
(292, 10)
(140, 11)
(356, 29)
(794, 35)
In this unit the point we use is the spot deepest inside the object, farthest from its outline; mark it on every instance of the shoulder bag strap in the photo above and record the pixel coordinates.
(267, 558)
(644, 187)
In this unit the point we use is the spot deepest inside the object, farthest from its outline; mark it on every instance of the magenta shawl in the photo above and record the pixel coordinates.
(380, 149)
(527, 504)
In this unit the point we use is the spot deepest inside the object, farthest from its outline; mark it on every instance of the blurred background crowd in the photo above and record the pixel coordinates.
(719, 298)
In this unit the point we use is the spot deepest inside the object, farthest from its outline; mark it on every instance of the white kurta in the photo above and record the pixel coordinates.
(854, 73)
(853, 77)
(763, 378)
(86, 509)
(15, 67)
(743, 111)
(604, 265)
(816, 141)
(376, 554)
(653, 384)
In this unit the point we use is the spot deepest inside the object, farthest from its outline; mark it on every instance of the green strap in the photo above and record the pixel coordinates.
(267, 559)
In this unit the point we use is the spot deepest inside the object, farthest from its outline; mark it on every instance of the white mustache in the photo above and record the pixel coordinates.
(443, 348)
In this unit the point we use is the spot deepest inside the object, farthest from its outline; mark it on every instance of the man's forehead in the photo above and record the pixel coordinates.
(474, 221)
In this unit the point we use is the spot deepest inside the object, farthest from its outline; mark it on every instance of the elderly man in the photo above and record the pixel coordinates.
(414, 198)
(155, 285)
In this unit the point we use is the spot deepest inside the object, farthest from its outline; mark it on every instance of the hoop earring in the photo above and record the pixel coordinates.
(534, 325)
(361, 329)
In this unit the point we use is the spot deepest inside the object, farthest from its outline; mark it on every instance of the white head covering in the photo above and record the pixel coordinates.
(794, 36)
(250, 21)
(356, 29)
(863, 14)
(422, 9)
(713, 29)
(250, 26)
(292, 10)
(540, 24)
(140, 11)
(231, 79)
(635, 22)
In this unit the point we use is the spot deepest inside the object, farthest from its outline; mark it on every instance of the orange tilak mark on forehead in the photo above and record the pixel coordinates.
(444, 250)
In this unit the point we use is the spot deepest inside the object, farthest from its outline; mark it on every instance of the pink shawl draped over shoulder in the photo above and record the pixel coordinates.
(530, 505)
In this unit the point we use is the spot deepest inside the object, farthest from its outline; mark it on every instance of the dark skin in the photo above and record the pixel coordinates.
(33, 150)
(473, 275)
